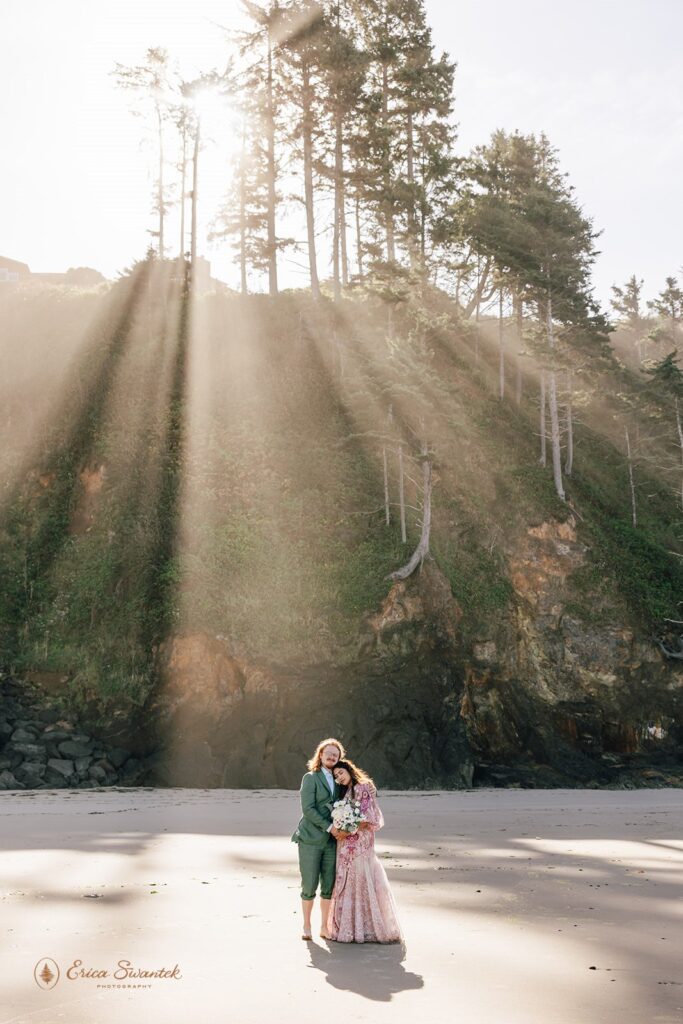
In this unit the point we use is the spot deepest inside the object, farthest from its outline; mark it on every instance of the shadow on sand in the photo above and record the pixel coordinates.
(373, 971)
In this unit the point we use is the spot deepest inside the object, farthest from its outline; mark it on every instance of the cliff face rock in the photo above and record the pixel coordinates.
(43, 746)
(198, 668)
(543, 698)
(561, 692)
(423, 608)
(91, 480)
(541, 563)
(224, 719)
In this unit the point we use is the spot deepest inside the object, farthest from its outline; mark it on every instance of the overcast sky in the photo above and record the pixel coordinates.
(602, 78)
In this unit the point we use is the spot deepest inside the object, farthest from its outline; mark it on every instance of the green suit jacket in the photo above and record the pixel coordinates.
(316, 809)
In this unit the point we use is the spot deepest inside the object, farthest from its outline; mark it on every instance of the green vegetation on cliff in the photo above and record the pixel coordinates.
(218, 465)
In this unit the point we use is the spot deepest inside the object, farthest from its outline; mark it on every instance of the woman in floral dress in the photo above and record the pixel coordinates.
(362, 907)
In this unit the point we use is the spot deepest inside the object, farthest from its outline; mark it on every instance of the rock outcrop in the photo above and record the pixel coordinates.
(540, 697)
(42, 746)
(563, 699)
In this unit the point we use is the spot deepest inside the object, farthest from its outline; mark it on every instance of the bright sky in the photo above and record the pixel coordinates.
(602, 78)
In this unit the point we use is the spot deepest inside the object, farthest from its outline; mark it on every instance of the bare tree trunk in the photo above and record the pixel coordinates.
(337, 244)
(555, 435)
(634, 515)
(423, 214)
(307, 131)
(243, 216)
(478, 291)
(244, 287)
(386, 487)
(542, 427)
(359, 241)
(339, 226)
(183, 185)
(160, 197)
(336, 283)
(569, 458)
(422, 550)
(193, 223)
(401, 494)
(679, 427)
(410, 167)
(520, 343)
(479, 295)
(342, 235)
(342, 216)
(270, 147)
(501, 347)
(388, 206)
(553, 409)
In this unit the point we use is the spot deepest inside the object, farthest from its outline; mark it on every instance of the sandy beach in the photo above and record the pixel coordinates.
(519, 907)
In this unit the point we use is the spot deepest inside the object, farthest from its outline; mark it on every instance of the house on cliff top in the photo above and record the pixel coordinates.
(14, 272)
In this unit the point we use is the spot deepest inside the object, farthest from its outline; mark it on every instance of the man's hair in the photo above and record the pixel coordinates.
(315, 764)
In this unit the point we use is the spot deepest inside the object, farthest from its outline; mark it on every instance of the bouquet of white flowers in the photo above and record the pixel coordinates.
(347, 815)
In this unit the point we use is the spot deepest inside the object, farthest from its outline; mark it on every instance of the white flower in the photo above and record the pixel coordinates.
(346, 815)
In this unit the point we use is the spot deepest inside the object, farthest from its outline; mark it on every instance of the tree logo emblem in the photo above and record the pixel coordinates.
(46, 973)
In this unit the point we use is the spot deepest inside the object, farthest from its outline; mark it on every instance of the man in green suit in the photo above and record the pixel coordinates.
(315, 834)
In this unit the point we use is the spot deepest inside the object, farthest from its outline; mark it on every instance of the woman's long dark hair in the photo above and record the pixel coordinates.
(357, 775)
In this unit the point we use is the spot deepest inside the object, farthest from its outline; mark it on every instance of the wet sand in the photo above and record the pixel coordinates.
(518, 906)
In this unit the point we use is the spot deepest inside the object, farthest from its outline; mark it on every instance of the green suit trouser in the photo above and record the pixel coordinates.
(317, 864)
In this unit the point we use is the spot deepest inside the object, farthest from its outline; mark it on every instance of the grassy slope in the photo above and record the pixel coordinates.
(242, 488)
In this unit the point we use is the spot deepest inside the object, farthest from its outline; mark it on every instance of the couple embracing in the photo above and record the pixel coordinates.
(336, 841)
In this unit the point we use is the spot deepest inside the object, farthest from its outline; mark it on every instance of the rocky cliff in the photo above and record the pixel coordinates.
(539, 698)
(196, 565)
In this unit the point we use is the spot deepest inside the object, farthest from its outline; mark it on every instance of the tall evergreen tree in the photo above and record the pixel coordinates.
(151, 82)
(488, 219)
(627, 303)
(556, 270)
(424, 98)
(182, 118)
(243, 217)
(668, 306)
(667, 384)
(379, 28)
(302, 50)
(408, 134)
(521, 215)
(344, 66)
(193, 93)
(262, 47)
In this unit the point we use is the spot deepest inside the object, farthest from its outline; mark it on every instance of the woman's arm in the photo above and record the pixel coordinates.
(374, 818)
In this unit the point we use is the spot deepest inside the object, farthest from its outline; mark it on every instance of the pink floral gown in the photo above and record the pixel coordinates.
(362, 907)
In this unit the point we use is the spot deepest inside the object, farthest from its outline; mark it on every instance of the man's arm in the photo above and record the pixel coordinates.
(308, 803)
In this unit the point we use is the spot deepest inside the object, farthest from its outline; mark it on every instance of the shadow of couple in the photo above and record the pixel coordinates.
(371, 970)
